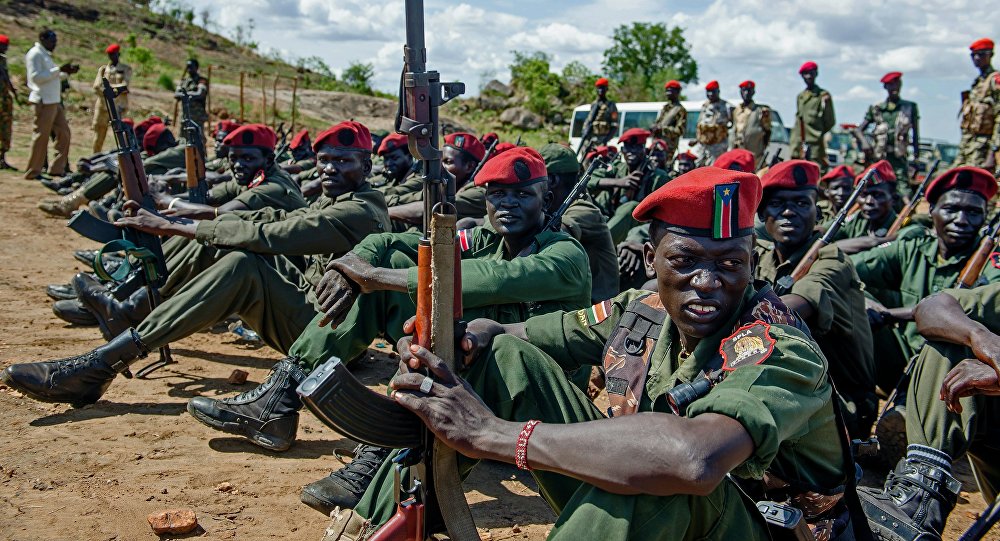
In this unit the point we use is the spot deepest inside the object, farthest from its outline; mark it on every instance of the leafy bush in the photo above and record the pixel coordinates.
(166, 82)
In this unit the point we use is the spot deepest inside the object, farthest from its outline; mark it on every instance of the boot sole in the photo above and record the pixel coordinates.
(891, 434)
(13, 384)
(322, 506)
(241, 429)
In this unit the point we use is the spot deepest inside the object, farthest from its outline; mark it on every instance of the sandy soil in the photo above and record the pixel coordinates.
(95, 473)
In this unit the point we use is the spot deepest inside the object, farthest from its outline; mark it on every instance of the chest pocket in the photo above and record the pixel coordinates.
(626, 356)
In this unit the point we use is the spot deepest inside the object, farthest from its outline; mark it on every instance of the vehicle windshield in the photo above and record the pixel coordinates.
(579, 117)
(778, 132)
(637, 119)
(948, 152)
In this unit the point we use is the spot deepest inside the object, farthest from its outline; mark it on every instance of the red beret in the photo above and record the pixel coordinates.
(658, 144)
(884, 170)
(488, 139)
(841, 171)
(113, 48)
(251, 135)
(964, 178)
(518, 165)
(300, 139)
(635, 135)
(808, 66)
(748, 84)
(601, 82)
(466, 142)
(503, 147)
(224, 126)
(140, 128)
(984, 44)
(4, 40)
(791, 175)
(672, 84)
(712, 85)
(737, 159)
(392, 142)
(349, 135)
(601, 151)
(891, 76)
(129, 122)
(151, 136)
(687, 155)
(705, 202)
(848, 126)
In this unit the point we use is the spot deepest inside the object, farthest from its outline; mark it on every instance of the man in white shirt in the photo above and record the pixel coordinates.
(44, 80)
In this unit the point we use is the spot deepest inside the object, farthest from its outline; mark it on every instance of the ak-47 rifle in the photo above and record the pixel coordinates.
(486, 157)
(337, 397)
(911, 207)
(588, 127)
(803, 147)
(579, 190)
(283, 142)
(785, 283)
(637, 194)
(977, 262)
(194, 153)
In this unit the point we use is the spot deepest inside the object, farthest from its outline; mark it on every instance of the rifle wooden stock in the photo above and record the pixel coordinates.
(975, 265)
(806, 263)
(911, 207)
(133, 176)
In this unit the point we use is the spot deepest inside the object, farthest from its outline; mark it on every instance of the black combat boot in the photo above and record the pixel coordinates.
(112, 316)
(61, 292)
(79, 380)
(73, 312)
(917, 497)
(344, 487)
(85, 256)
(267, 415)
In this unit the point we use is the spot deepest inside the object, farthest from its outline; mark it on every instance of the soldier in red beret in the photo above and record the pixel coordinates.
(724, 372)
(8, 95)
(303, 157)
(399, 181)
(602, 121)
(980, 119)
(894, 126)
(119, 74)
(672, 119)
(835, 187)
(814, 116)
(712, 131)
(220, 130)
(738, 159)
(751, 126)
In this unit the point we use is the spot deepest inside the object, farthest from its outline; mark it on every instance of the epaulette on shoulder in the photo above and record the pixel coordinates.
(750, 345)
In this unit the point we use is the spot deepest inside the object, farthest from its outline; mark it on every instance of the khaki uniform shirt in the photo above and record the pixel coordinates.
(119, 75)
(815, 108)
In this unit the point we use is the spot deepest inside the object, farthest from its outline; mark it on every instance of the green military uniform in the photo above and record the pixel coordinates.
(197, 87)
(980, 121)
(751, 128)
(619, 214)
(856, 225)
(495, 285)
(217, 164)
(601, 123)
(814, 111)
(119, 76)
(244, 281)
(712, 131)
(911, 269)
(101, 183)
(784, 403)
(840, 324)
(893, 124)
(585, 223)
(407, 190)
(6, 106)
(670, 125)
(975, 430)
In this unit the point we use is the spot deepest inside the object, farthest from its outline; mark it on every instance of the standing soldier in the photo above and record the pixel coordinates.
(894, 121)
(814, 117)
(7, 96)
(672, 120)
(713, 124)
(196, 87)
(751, 123)
(119, 75)
(602, 122)
(981, 112)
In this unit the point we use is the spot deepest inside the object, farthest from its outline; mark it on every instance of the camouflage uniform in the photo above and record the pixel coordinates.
(602, 123)
(198, 89)
(119, 75)
(893, 123)
(670, 126)
(980, 121)
(6, 106)
(751, 128)
(711, 132)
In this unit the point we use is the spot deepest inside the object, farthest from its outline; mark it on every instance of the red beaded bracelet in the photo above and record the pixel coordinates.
(521, 453)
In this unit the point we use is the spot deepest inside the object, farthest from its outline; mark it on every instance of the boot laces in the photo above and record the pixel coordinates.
(358, 474)
(69, 367)
(258, 391)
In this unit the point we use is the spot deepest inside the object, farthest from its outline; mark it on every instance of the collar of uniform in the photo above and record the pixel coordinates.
(363, 187)
(929, 248)
(793, 259)
(885, 225)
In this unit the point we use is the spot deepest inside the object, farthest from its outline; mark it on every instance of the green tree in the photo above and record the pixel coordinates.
(579, 83)
(643, 54)
(359, 77)
(531, 77)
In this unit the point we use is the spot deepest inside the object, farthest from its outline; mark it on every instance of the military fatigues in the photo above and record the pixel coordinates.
(670, 126)
(815, 111)
(901, 273)
(602, 123)
(980, 121)
(198, 89)
(856, 225)
(101, 183)
(555, 276)
(585, 223)
(276, 304)
(839, 325)
(712, 130)
(893, 124)
(975, 430)
(119, 75)
(619, 213)
(405, 191)
(783, 403)
(751, 128)
(6, 106)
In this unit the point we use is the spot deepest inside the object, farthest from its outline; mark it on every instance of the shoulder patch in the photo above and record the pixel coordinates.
(750, 345)
(995, 259)
(597, 313)
(463, 240)
(258, 179)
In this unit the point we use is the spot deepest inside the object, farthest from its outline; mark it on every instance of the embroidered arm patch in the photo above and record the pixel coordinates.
(749, 345)
(597, 313)
(995, 259)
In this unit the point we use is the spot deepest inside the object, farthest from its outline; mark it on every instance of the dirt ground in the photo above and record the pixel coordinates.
(95, 473)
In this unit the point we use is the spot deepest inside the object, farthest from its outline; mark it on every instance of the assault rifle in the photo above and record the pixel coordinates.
(482, 162)
(977, 262)
(911, 207)
(579, 190)
(334, 394)
(785, 283)
(588, 127)
(194, 153)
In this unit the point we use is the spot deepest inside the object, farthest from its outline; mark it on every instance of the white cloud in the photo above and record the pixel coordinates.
(859, 92)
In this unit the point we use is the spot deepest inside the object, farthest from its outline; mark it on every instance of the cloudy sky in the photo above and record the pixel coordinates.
(854, 41)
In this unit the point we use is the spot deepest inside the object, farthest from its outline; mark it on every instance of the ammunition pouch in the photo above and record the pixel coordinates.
(711, 134)
(977, 117)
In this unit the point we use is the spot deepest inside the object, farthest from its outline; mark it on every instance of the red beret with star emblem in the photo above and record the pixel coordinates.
(151, 136)
(601, 82)
(635, 135)
(712, 85)
(348, 135)
(891, 76)
(518, 165)
(467, 143)
(672, 84)
(884, 171)
(705, 202)
(737, 159)
(300, 139)
(113, 48)
(392, 142)
(808, 66)
(984, 44)
(970, 179)
(841, 171)
(251, 135)
(748, 84)
(791, 175)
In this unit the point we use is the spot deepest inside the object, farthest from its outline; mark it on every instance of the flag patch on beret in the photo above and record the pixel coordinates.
(726, 211)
